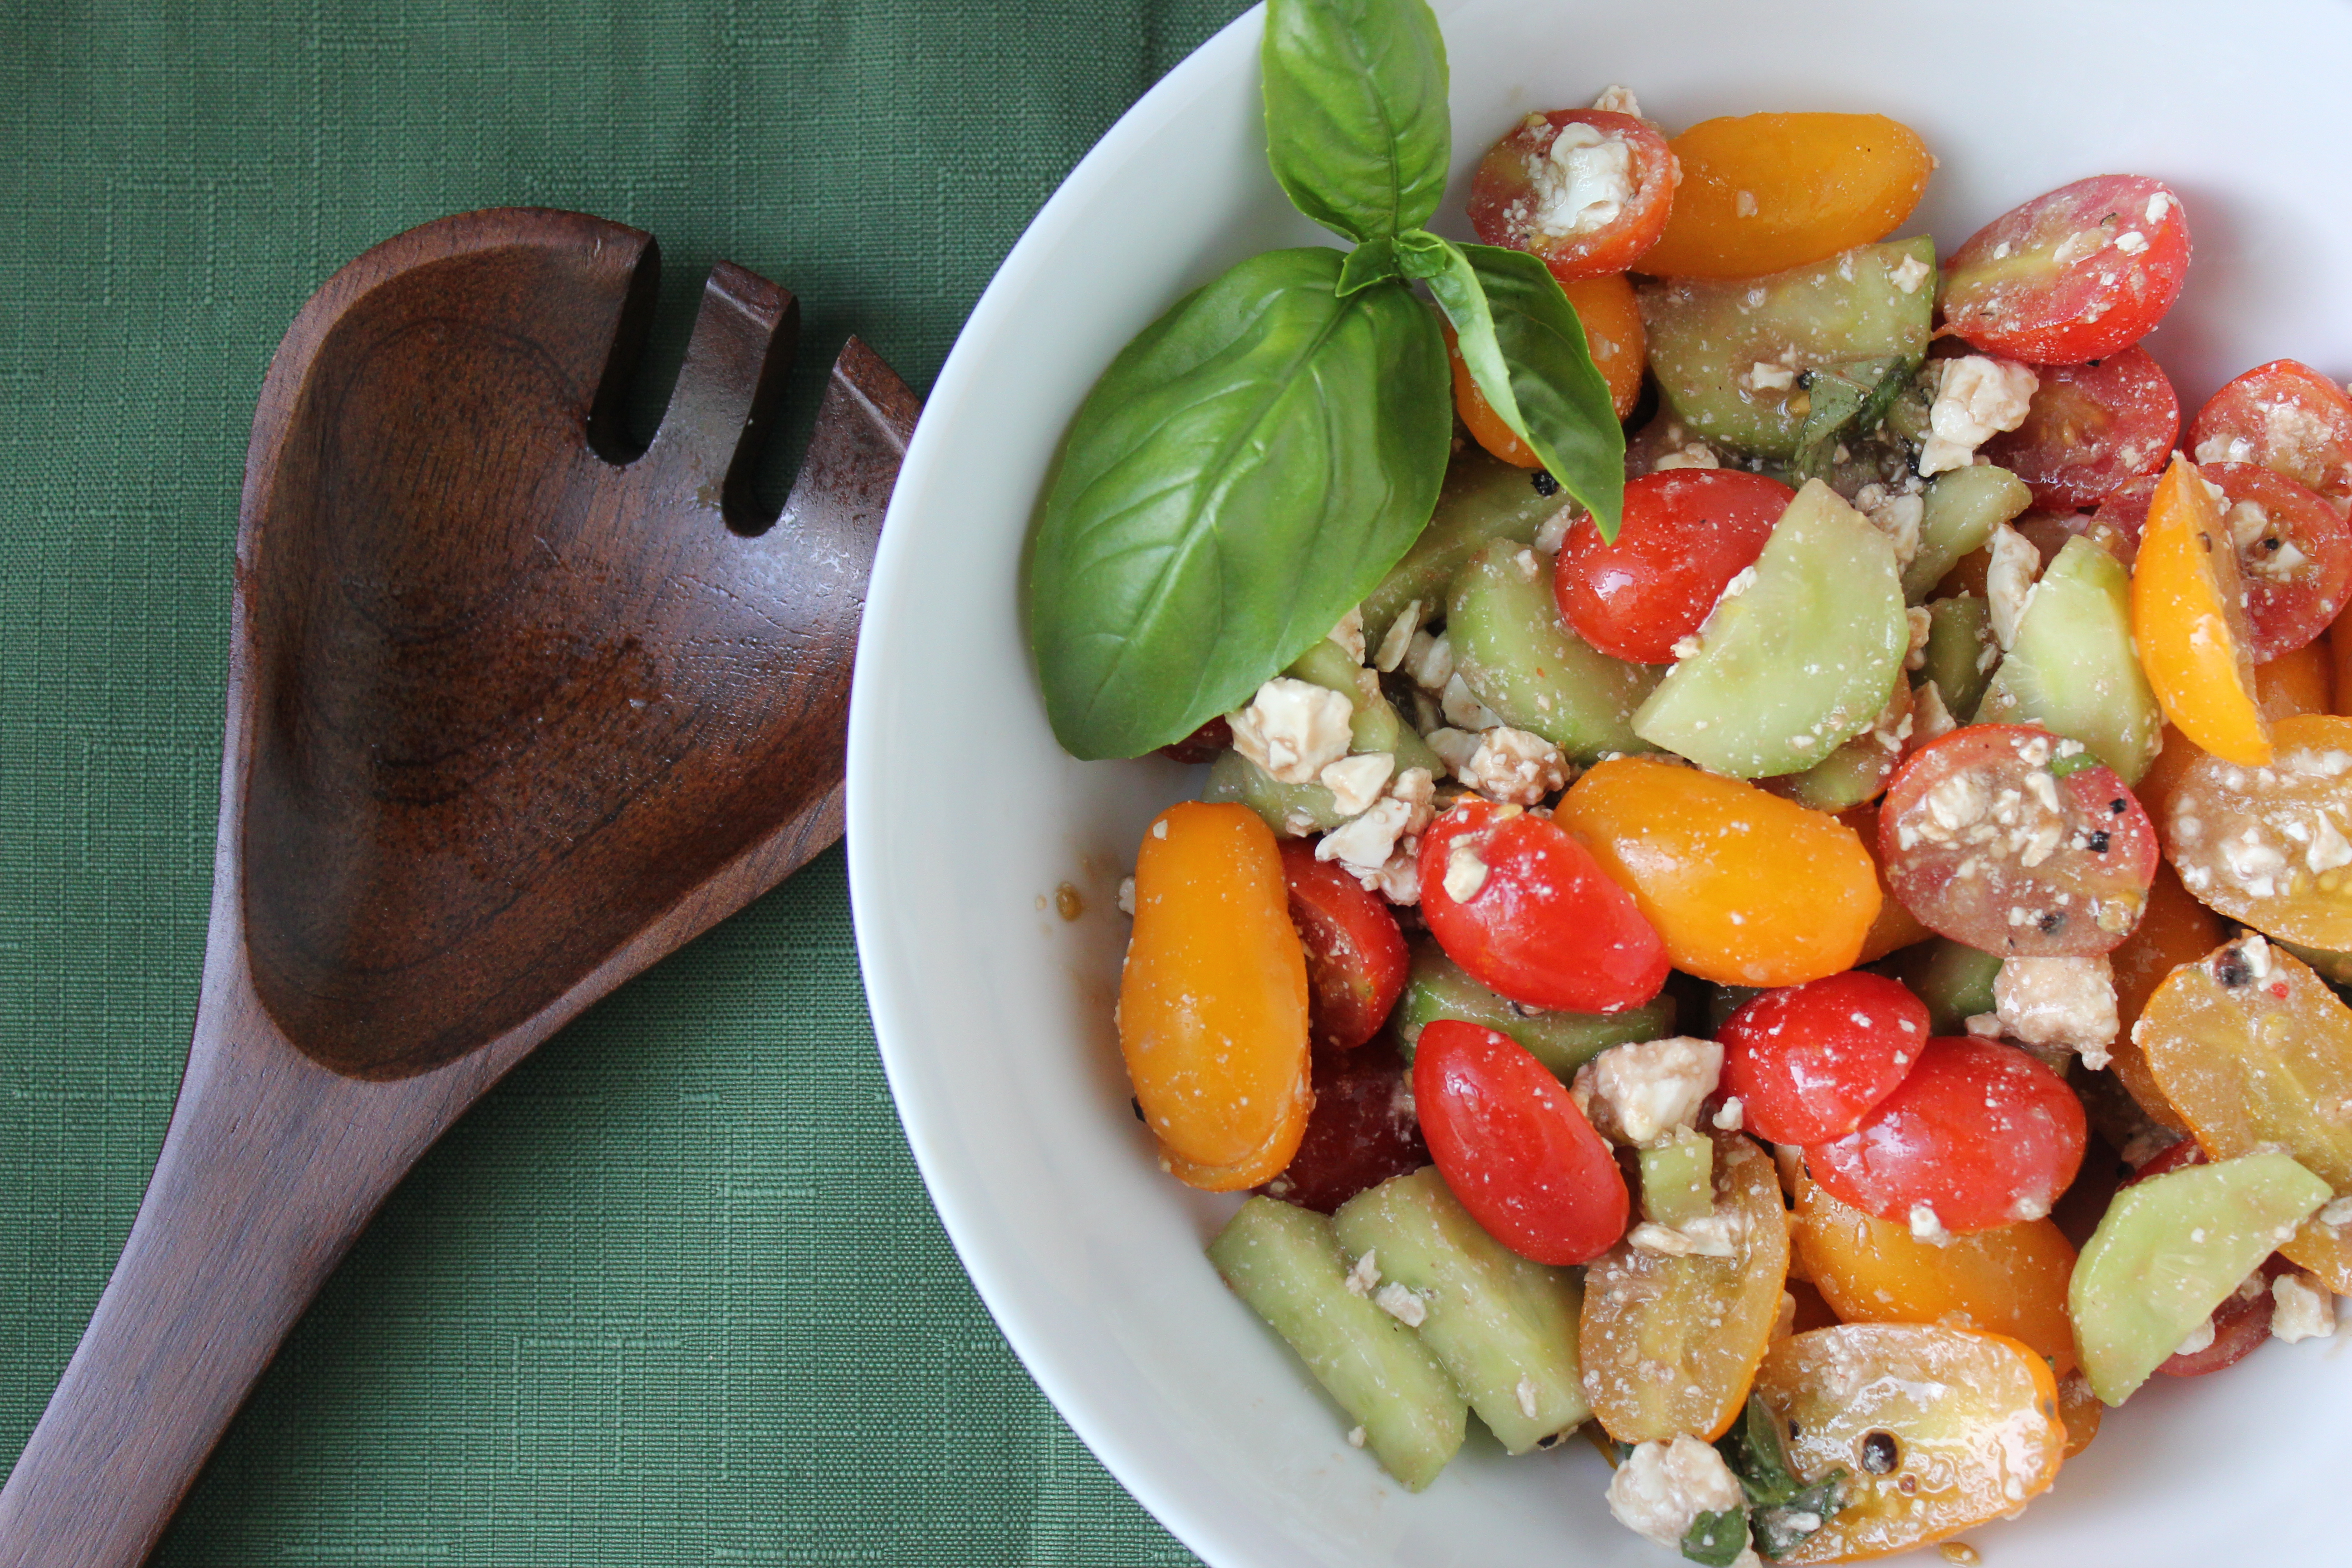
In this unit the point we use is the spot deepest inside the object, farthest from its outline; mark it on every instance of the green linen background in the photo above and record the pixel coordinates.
(674, 1293)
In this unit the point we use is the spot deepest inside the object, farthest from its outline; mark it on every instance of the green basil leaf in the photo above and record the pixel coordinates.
(1244, 473)
(1527, 350)
(1357, 125)
(1375, 261)
(1716, 1539)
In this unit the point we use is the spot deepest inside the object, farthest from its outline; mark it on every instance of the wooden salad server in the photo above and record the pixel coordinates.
(512, 714)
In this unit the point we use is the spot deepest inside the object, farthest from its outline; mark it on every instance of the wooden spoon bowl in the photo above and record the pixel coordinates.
(512, 714)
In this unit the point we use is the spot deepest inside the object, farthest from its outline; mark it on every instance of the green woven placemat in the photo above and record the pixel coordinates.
(674, 1293)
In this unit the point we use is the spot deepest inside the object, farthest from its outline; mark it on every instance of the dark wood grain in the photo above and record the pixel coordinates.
(512, 714)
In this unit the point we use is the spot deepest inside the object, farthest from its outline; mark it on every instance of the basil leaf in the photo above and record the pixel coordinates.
(1375, 261)
(1244, 473)
(1716, 1539)
(1780, 1529)
(1527, 351)
(1357, 125)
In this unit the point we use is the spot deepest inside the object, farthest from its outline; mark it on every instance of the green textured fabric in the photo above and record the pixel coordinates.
(674, 1293)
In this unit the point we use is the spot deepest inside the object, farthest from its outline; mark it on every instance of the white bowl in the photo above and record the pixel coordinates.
(994, 1015)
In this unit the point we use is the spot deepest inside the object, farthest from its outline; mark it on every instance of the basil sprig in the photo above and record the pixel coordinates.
(1252, 464)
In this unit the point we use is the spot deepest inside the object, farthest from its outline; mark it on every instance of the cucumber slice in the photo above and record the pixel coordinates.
(1960, 652)
(1857, 771)
(1503, 1327)
(1375, 725)
(2169, 1250)
(1844, 327)
(1520, 659)
(1678, 1179)
(1952, 978)
(1482, 500)
(1285, 1262)
(1293, 811)
(1564, 1042)
(2073, 670)
(1801, 660)
(1959, 511)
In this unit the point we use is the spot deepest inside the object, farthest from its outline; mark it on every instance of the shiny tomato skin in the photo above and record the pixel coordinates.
(2089, 428)
(1360, 1133)
(1537, 919)
(1502, 206)
(1512, 1146)
(1809, 1062)
(1981, 1133)
(1356, 958)
(2056, 282)
(2287, 608)
(2286, 416)
(1687, 534)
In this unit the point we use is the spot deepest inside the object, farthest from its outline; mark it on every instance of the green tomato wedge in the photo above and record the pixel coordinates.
(1293, 811)
(1957, 512)
(1484, 499)
(2073, 670)
(1798, 660)
(1564, 1042)
(2170, 1251)
(1526, 664)
(1678, 1179)
(1960, 653)
(1847, 319)
(1952, 978)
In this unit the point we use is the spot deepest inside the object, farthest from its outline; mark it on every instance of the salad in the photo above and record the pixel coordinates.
(1772, 872)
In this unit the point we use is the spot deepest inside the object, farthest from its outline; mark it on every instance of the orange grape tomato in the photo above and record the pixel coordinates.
(1763, 193)
(2175, 755)
(1614, 334)
(2188, 620)
(2272, 847)
(2174, 928)
(1745, 887)
(1478, 415)
(2295, 683)
(1586, 191)
(1896, 926)
(1213, 1007)
(2009, 1280)
(2079, 1409)
(1939, 1429)
(2339, 654)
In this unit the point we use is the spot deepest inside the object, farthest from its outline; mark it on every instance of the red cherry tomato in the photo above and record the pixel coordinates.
(2295, 556)
(1809, 1062)
(1687, 533)
(1518, 196)
(2125, 509)
(1980, 1133)
(1512, 1146)
(1203, 745)
(2089, 428)
(1360, 1133)
(1515, 899)
(1356, 959)
(2071, 276)
(2286, 416)
(1984, 842)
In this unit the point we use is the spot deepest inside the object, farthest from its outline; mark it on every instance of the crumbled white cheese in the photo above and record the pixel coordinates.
(1692, 455)
(2080, 246)
(1553, 531)
(1429, 660)
(1365, 1277)
(1126, 895)
(1584, 182)
(1615, 100)
(1765, 376)
(1638, 1093)
(1709, 1236)
(2301, 1308)
(1909, 273)
(1293, 729)
(1662, 1487)
(1526, 1394)
(1983, 1025)
(1397, 641)
(1356, 1436)
(1462, 708)
(1418, 790)
(1977, 397)
(1455, 748)
(1515, 766)
(1784, 1322)
(1398, 880)
(2327, 850)
(2157, 205)
(2225, 449)
(2067, 1002)
(1744, 202)
(1466, 872)
(1732, 1115)
(1897, 517)
(2199, 1337)
(1930, 719)
(1926, 1225)
(1401, 1304)
(1349, 632)
(2336, 1214)
(2009, 583)
(2131, 242)
(1920, 621)
(1364, 845)
(1958, 800)
(1356, 781)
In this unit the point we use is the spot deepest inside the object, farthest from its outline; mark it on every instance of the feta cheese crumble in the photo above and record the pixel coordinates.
(1977, 397)
(1293, 729)
(1516, 767)
(1662, 1487)
(2301, 1308)
(2010, 582)
(1356, 781)
(2068, 1001)
(1583, 183)
(1638, 1093)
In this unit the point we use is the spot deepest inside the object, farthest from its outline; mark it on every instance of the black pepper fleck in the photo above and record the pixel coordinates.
(2049, 920)
(2231, 969)
(1879, 1452)
(2098, 842)
(1546, 485)
(2116, 807)
(1136, 1105)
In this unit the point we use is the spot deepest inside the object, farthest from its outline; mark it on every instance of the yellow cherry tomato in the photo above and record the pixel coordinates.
(1896, 926)
(1213, 1002)
(2009, 1280)
(1763, 193)
(1744, 887)
(2174, 928)
(1619, 346)
(2188, 620)
(2295, 683)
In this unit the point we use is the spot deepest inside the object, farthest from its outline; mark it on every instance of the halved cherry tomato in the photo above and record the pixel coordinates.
(2289, 419)
(2297, 683)
(2125, 509)
(1361, 1133)
(2295, 556)
(1809, 1062)
(1514, 898)
(2188, 620)
(1986, 845)
(1534, 190)
(2071, 276)
(1356, 958)
(1203, 745)
(1763, 193)
(1979, 1135)
(1512, 1146)
(1687, 534)
(2091, 429)
(2174, 930)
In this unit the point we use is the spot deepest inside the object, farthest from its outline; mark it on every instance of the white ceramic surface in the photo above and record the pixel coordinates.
(994, 1015)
